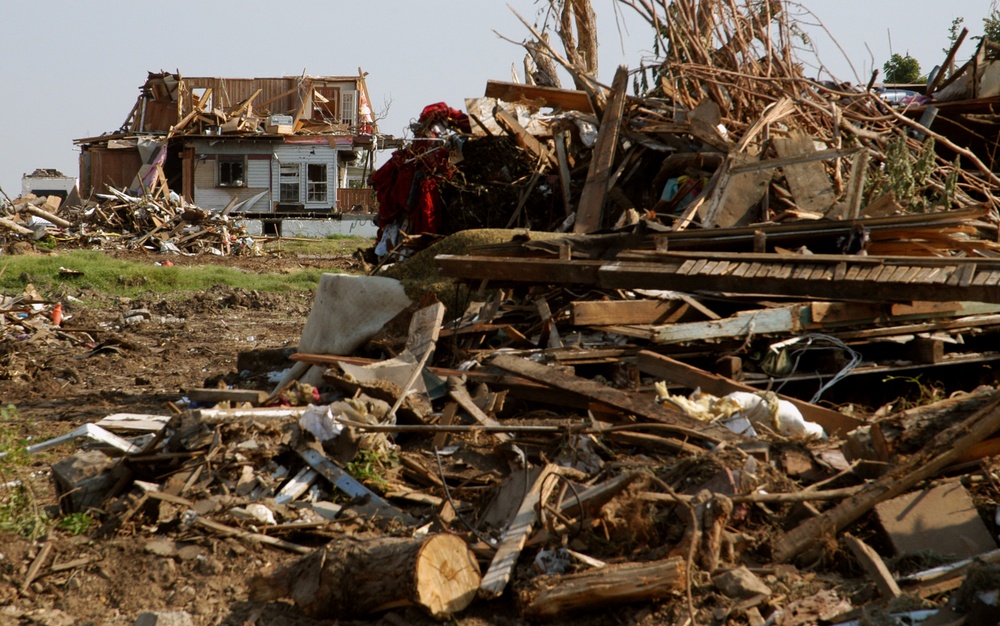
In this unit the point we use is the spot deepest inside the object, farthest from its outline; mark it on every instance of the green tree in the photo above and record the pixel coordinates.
(953, 32)
(901, 69)
(991, 24)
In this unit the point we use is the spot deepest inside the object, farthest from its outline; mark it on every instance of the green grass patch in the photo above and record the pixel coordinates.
(96, 271)
(333, 245)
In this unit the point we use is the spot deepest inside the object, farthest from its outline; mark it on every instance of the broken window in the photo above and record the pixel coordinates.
(325, 101)
(288, 188)
(232, 171)
(316, 182)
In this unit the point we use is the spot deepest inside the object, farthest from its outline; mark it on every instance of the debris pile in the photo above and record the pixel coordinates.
(155, 222)
(727, 132)
(750, 375)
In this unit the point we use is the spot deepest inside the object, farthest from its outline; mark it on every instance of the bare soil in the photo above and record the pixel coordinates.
(100, 364)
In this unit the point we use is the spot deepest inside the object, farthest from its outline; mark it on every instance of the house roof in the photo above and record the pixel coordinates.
(173, 105)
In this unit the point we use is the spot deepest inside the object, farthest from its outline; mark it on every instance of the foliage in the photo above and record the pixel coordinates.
(76, 523)
(926, 393)
(19, 509)
(901, 69)
(906, 175)
(102, 273)
(953, 32)
(20, 513)
(991, 24)
(369, 466)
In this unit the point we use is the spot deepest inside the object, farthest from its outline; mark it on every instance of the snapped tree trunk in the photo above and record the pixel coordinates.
(627, 582)
(356, 577)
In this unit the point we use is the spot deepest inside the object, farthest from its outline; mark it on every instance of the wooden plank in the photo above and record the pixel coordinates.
(629, 402)
(809, 183)
(502, 566)
(602, 313)
(525, 139)
(590, 212)
(674, 371)
(568, 99)
(686, 266)
(227, 395)
(743, 324)
(874, 566)
(459, 393)
(945, 448)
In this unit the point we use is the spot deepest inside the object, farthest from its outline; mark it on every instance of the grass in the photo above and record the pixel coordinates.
(95, 271)
(20, 512)
(331, 245)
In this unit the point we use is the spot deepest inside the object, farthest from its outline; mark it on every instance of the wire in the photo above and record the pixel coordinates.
(835, 344)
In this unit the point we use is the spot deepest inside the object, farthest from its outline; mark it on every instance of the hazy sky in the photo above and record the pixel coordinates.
(73, 69)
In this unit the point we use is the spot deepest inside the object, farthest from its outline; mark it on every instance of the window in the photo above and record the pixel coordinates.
(232, 171)
(348, 110)
(316, 182)
(288, 187)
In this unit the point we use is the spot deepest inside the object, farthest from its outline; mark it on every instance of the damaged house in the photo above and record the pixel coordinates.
(293, 146)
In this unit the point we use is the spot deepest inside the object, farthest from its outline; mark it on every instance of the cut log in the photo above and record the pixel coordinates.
(627, 582)
(356, 577)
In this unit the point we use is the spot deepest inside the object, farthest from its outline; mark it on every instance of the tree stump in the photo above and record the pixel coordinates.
(357, 577)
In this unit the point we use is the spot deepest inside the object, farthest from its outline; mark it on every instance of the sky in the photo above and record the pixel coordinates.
(73, 69)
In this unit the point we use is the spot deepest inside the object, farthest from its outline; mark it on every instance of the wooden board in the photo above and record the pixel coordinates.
(808, 182)
(673, 371)
(943, 519)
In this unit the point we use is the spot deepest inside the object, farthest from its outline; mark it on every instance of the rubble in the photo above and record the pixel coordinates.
(159, 222)
(673, 384)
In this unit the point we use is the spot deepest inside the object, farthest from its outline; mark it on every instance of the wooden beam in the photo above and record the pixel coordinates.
(874, 566)
(674, 371)
(622, 400)
(590, 212)
(568, 99)
(502, 566)
(607, 312)
(523, 138)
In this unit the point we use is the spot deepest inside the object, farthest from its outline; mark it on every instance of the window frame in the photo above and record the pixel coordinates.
(313, 186)
(224, 174)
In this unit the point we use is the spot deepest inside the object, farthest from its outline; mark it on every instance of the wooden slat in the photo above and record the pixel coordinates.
(741, 269)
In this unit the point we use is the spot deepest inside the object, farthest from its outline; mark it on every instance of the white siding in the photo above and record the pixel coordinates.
(208, 196)
(303, 155)
(258, 174)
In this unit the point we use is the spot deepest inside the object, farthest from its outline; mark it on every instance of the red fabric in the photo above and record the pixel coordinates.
(406, 186)
(440, 112)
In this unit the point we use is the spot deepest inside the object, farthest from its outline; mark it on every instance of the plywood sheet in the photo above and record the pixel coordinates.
(943, 519)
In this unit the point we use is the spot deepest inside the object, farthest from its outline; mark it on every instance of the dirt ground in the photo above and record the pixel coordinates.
(101, 364)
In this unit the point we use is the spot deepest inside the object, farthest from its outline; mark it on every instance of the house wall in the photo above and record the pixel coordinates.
(302, 155)
(207, 193)
(100, 167)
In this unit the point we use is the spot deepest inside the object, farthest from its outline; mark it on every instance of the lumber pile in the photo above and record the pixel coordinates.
(158, 221)
(727, 132)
